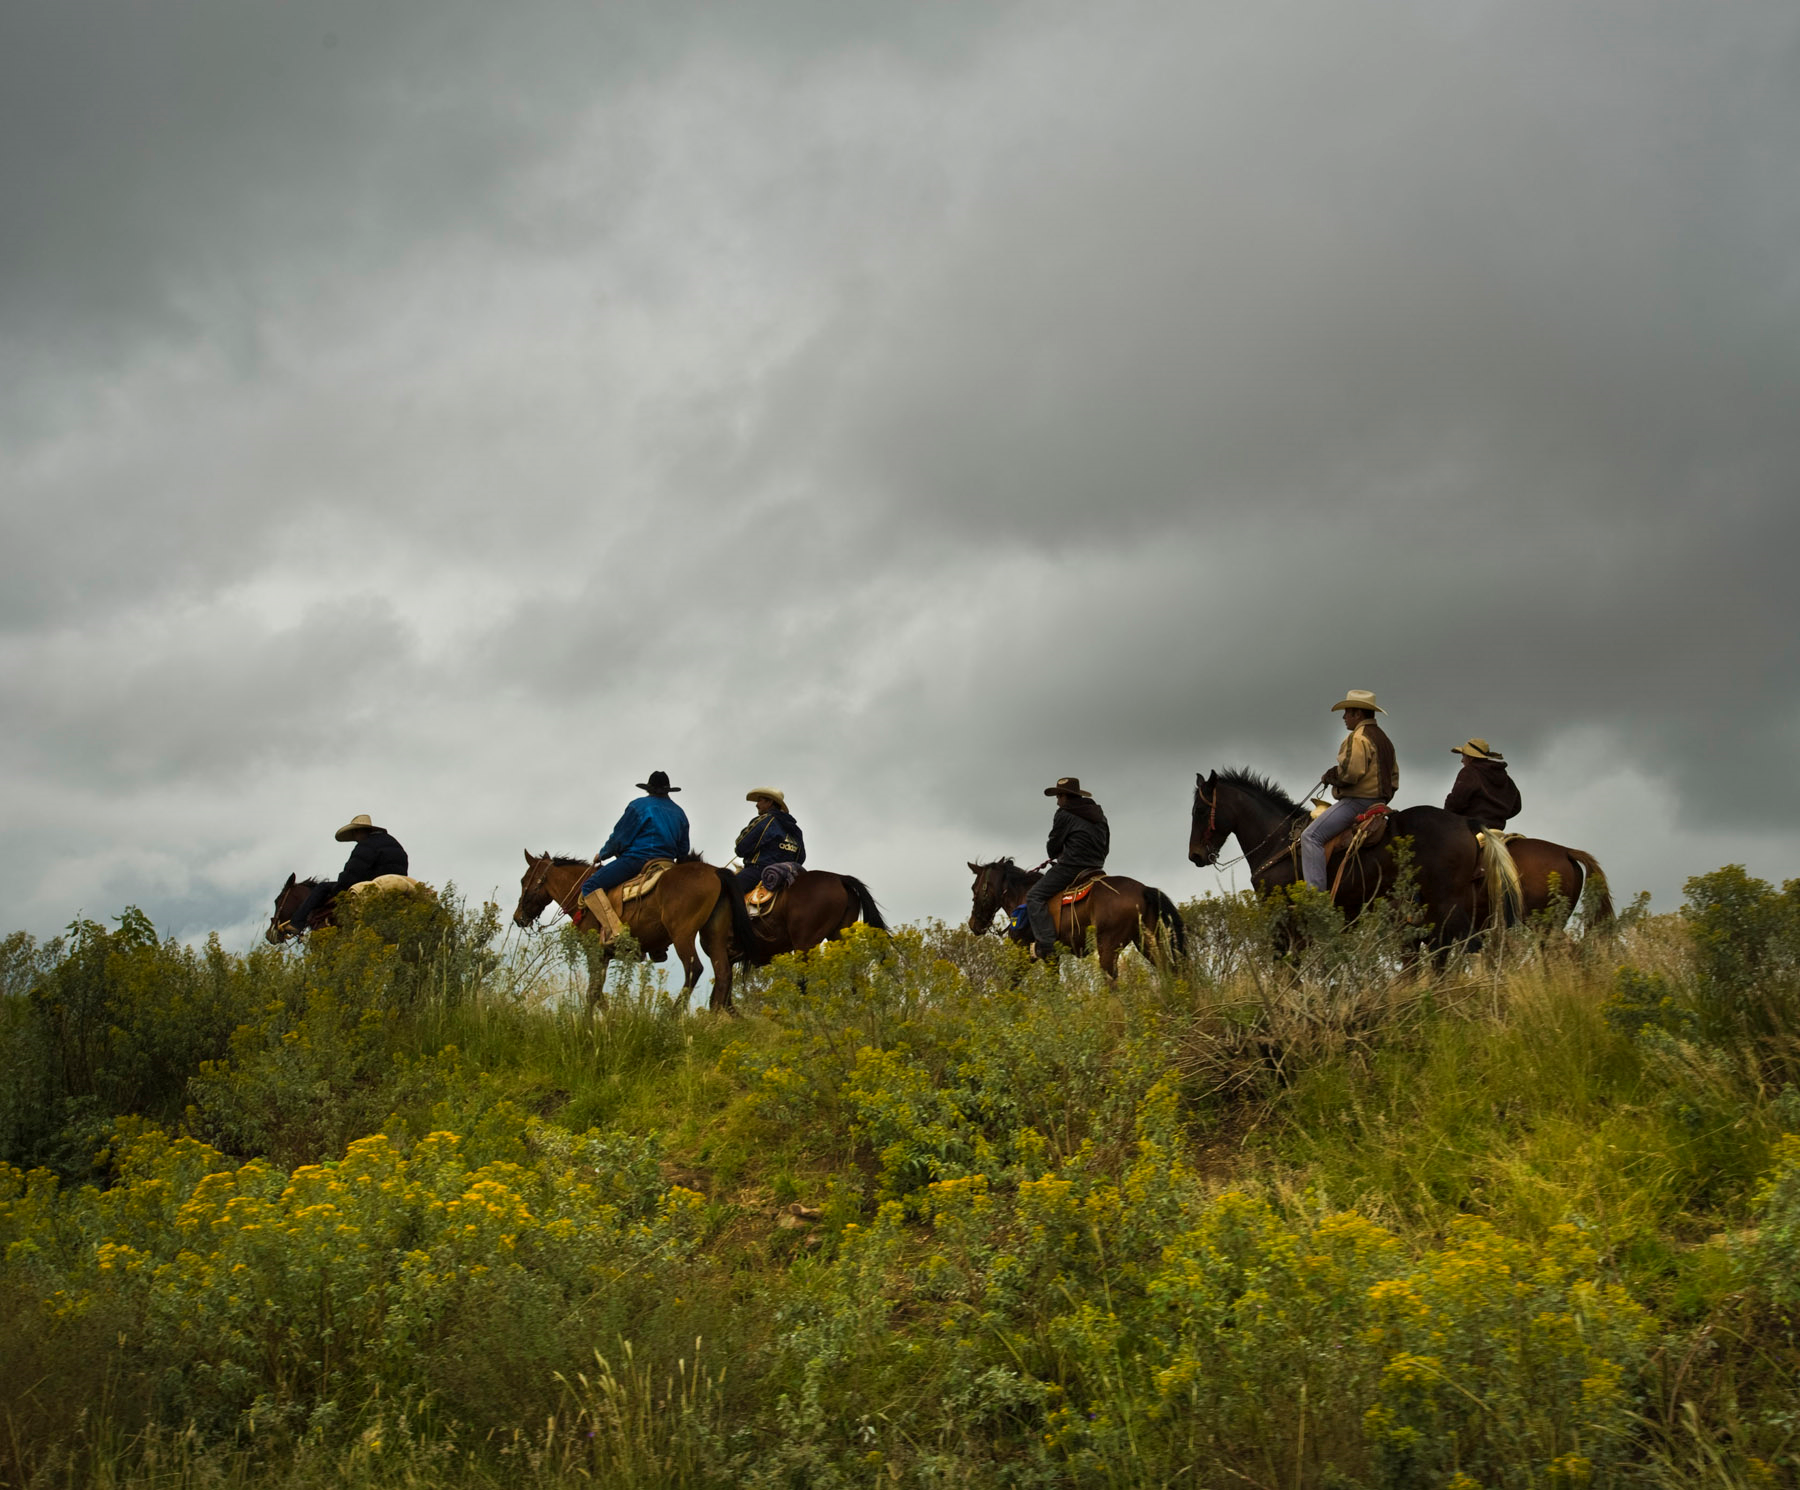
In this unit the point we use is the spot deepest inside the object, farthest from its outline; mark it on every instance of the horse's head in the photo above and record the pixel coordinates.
(534, 889)
(1206, 833)
(989, 893)
(280, 929)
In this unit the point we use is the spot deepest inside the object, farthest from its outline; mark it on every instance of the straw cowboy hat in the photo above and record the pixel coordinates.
(766, 791)
(358, 824)
(1359, 698)
(1069, 784)
(657, 785)
(1478, 749)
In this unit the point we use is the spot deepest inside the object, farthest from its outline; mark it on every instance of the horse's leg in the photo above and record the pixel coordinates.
(597, 965)
(715, 937)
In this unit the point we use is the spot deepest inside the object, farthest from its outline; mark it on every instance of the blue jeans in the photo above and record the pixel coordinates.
(1037, 902)
(609, 876)
(1328, 824)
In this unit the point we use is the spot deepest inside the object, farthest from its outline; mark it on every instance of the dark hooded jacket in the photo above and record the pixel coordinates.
(378, 854)
(772, 838)
(1484, 793)
(1079, 836)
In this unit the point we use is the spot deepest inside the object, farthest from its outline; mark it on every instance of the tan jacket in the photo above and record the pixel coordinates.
(1366, 768)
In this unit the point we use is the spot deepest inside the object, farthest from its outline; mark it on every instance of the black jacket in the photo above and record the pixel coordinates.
(1485, 793)
(772, 838)
(1079, 836)
(378, 854)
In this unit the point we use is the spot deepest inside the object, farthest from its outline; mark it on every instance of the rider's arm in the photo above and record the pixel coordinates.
(622, 834)
(360, 866)
(1461, 792)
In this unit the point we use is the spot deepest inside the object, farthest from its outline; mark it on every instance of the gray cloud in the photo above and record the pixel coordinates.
(452, 414)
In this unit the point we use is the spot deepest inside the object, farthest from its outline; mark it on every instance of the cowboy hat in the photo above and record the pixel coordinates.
(1478, 749)
(1359, 698)
(657, 785)
(1071, 785)
(767, 791)
(358, 824)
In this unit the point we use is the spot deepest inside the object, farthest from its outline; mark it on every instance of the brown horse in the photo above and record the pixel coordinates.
(692, 901)
(1265, 821)
(1550, 873)
(287, 905)
(816, 907)
(1120, 912)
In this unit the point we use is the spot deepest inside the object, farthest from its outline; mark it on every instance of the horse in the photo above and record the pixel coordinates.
(1121, 912)
(816, 907)
(288, 901)
(1552, 873)
(692, 901)
(1450, 865)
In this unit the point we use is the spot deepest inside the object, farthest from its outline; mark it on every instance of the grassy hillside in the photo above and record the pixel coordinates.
(394, 1210)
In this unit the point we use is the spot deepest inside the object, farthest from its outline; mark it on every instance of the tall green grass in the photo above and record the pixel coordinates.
(925, 1214)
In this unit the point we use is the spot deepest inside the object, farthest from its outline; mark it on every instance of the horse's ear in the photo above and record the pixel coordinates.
(528, 858)
(974, 868)
(1199, 780)
(289, 885)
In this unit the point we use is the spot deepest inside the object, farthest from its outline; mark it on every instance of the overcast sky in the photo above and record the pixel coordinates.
(453, 412)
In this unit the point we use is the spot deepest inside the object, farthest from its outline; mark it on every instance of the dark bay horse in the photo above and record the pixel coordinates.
(693, 901)
(1264, 820)
(814, 908)
(1548, 870)
(287, 905)
(1120, 912)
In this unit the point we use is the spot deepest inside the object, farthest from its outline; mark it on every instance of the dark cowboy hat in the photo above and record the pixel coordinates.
(1071, 785)
(657, 785)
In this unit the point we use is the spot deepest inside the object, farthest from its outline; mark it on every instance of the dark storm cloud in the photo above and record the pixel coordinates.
(452, 412)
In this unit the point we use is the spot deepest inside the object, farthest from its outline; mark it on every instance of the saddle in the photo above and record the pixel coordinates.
(761, 896)
(1369, 830)
(1080, 887)
(643, 882)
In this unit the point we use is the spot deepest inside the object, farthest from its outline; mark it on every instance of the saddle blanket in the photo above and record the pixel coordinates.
(392, 882)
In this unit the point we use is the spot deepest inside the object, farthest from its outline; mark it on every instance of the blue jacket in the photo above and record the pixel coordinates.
(773, 838)
(650, 828)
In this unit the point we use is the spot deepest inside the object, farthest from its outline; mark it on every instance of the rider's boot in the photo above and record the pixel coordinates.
(601, 909)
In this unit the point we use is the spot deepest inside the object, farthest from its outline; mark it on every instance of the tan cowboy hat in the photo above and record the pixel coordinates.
(358, 824)
(1478, 749)
(1359, 698)
(1070, 785)
(769, 792)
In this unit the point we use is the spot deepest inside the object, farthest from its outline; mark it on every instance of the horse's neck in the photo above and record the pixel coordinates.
(564, 884)
(1267, 833)
(1013, 888)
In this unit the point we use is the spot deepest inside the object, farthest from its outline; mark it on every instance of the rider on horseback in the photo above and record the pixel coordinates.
(651, 827)
(1483, 792)
(377, 852)
(1079, 839)
(1365, 774)
(772, 837)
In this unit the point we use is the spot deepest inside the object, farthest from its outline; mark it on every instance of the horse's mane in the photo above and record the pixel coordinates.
(1258, 785)
(1009, 871)
(313, 883)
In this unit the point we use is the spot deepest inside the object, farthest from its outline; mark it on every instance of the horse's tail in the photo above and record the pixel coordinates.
(1506, 892)
(1596, 886)
(1163, 912)
(743, 934)
(871, 912)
